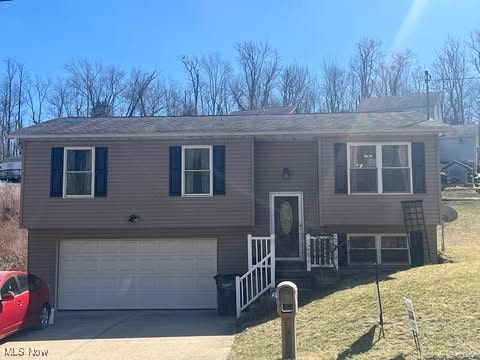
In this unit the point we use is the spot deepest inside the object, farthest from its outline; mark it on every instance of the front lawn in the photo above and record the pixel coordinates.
(342, 324)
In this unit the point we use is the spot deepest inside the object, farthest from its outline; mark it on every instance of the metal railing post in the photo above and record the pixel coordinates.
(272, 258)
(237, 289)
(249, 247)
(335, 253)
(308, 253)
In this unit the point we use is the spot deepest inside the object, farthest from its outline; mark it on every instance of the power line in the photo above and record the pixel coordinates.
(463, 78)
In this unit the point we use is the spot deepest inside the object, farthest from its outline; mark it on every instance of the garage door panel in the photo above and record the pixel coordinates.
(136, 274)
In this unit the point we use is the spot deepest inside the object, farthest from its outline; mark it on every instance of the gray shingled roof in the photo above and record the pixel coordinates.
(281, 110)
(233, 125)
(398, 103)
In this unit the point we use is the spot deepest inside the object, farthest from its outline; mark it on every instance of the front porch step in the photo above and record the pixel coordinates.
(295, 272)
(290, 266)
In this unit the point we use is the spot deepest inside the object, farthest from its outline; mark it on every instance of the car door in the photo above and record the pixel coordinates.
(11, 312)
(23, 300)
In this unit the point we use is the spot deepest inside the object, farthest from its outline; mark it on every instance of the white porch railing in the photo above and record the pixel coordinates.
(321, 251)
(261, 271)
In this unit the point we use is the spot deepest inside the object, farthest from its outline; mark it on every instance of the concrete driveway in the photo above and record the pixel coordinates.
(133, 334)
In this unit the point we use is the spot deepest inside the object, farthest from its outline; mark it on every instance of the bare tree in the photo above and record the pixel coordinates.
(11, 105)
(217, 74)
(295, 83)
(97, 83)
(85, 79)
(474, 46)
(136, 90)
(155, 98)
(113, 81)
(260, 66)
(173, 100)
(451, 69)
(193, 67)
(58, 98)
(364, 65)
(334, 87)
(36, 95)
(393, 74)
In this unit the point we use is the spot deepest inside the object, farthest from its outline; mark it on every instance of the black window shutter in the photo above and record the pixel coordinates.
(101, 171)
(341, 168)
(218, 169)
(56, 172)
(418, 167)
(175, 171)
(342, 249)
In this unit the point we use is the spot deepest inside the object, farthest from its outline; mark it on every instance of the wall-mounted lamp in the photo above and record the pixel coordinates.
(285, 173)
(133, 218)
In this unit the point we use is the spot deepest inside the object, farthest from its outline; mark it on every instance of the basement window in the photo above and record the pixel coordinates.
(386, 249)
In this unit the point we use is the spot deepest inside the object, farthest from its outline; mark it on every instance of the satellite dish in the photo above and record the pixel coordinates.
(449, 214)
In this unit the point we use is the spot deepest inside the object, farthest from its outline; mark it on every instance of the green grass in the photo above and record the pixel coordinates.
(342, 324)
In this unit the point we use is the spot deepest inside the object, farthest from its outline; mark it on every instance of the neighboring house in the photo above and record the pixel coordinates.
(412, 102)
(11, 170)
(142, 212)
(460, 145)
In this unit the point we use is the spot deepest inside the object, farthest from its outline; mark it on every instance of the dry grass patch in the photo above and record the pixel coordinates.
(341, 325)
(13, 240)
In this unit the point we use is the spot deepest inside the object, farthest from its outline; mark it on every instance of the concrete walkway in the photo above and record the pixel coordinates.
(142, 334)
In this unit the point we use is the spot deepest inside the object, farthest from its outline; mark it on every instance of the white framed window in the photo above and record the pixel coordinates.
(386, 249)
(78, 171)
(197, 177)
(379, 168)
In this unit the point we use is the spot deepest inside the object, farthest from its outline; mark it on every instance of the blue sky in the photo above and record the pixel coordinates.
(151, 34)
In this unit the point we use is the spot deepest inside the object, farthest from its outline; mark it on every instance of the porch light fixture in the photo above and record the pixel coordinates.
(285, 173)
(133, 218)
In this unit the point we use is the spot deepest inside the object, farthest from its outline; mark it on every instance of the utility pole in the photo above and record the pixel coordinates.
(427, 79)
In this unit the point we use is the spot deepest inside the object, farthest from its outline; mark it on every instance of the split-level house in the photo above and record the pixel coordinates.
(143, 212)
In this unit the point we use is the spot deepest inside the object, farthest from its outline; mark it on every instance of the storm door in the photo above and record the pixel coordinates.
(286, 222)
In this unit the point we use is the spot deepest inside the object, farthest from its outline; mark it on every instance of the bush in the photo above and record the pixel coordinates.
(13, 240)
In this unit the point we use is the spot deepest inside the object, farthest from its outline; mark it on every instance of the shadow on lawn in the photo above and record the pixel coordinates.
(266, 308)
(361, 345)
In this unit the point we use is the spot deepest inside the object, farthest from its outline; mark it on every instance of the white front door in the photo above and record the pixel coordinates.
(137, 274)
(286, 222)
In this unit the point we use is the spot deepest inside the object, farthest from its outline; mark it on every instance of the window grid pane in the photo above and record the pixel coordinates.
(197, 182)
(363, 180)
(394, 256)
(363, 156)
(79, 183)
(79, 160)
(362, 242)
(197, 159)
(396, 180)
(395, 156)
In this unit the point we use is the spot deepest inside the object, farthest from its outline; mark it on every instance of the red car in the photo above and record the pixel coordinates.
(24, 302)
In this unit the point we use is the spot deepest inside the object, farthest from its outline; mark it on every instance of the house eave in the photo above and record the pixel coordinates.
(436, 130)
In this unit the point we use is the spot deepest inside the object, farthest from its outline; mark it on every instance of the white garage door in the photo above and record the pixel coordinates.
(137, 274)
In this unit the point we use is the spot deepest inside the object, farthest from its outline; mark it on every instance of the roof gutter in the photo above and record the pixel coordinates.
(433, 130)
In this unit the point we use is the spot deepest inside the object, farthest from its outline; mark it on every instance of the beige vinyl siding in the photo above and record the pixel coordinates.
(138, 183)
(43, 244)
(42, 260)
(271, 157)
(360, 209)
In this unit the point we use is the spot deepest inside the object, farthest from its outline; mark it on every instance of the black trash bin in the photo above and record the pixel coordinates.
(226, 299)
